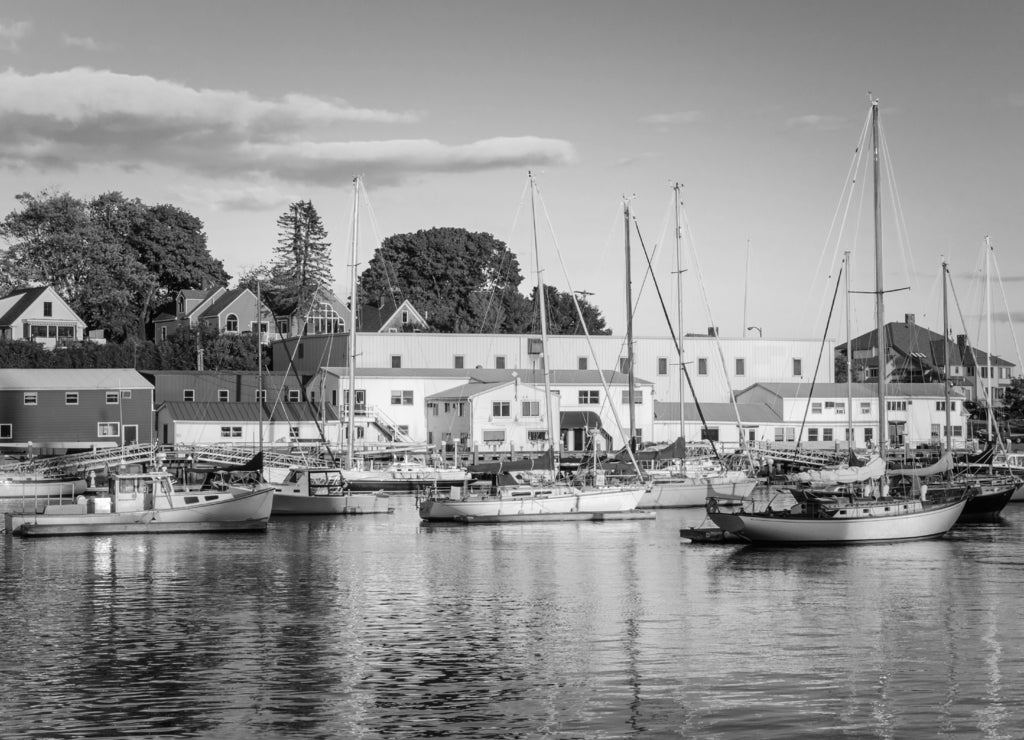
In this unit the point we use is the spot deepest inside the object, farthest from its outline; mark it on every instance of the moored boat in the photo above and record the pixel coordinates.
(324, 491)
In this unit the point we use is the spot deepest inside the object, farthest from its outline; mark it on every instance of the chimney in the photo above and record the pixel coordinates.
(712, 331)
(908, 319)
(961, 342)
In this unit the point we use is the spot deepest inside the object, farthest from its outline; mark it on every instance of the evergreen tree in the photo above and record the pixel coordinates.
(302, 257)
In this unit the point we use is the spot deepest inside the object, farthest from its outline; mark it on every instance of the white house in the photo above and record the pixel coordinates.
(39, 314)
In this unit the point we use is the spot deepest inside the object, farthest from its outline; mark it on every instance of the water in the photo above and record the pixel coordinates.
(380, 627)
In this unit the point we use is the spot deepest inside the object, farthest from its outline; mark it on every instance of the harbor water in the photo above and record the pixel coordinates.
(383, 627)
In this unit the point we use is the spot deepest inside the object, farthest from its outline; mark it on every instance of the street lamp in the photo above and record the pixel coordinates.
(759, 334)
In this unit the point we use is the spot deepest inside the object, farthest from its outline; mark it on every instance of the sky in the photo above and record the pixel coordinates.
(232, 110)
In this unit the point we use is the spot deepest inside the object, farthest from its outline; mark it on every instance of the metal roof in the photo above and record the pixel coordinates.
(717, 413)
(72, 378)
(242, 412)
(858, 390)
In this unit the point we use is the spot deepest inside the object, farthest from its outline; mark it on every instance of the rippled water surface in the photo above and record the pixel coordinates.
(379, 626)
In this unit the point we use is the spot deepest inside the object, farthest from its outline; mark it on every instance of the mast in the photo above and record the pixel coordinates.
(988, 339)
(631, 438)
(849, 361)
(350, 447)
(679, 320)
(945, 355)
(879, 288)
(259, 357)
(555, 443)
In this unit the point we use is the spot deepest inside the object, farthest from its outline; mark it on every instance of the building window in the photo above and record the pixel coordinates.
(401, 398)
(403, 429)
(816, 407)
(531, 408)
(230, 432)
(536, 436)
(826, 434)
(812, 434)
(126, 395)
(260, 395)
(865, 407)
(231, 323)
(294, 396)
(31, 398)
(163, 333)
(71, 398)
(47, 308)
(405, 317)
(108, 429)
(188, 395)
(798, 367)
(460, 362)
(360, 432)
(323, 319)
(493, 436)
(581, 363)
(869, 435)
(293, 433)
(396, 361)
(741, 366)
(223, 395)
(662, 366)
(896, 405)
(638, 397)
(702, 366)
(113, 398)
(499, 362)
(6, 431)
(589, 397)
(840, 409)
(709, 433)
(780, 434)
(500, 408)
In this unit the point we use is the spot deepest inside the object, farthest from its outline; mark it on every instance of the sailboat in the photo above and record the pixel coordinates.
(514, 501)
(689, 483)
(856, 513)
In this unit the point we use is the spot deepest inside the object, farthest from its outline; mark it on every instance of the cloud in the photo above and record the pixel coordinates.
(81, 42)
(672, 119)
(816, 122)
(13, 32)
(74, 118)
(236, 196)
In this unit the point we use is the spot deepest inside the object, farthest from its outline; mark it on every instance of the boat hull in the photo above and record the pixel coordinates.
(678, 493)
(353, 503)
(537, 506)
(766, 529)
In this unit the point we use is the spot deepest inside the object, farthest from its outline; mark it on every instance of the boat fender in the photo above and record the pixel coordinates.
(711, 504)
(924, 492)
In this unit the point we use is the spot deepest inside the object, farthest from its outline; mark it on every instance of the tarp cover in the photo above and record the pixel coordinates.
(944, 465)
(872, 469)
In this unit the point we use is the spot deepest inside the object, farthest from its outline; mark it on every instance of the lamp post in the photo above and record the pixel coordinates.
(760, 335)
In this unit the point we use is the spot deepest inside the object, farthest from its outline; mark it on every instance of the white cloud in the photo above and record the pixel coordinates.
(81, 116)
(816, 122)
(672, 119)
(81, 42)
(11, 33)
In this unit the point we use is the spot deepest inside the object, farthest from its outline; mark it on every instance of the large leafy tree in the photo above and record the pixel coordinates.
(302, 258)
(562, 315)
(1013, 399)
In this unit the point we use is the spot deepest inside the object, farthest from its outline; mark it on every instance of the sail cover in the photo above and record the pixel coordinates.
(944, 465)
(872, 469)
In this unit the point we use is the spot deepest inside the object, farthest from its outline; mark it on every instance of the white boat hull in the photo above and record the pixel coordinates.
(933, 521)
(352, 503)
(675, 493)
(538, 505)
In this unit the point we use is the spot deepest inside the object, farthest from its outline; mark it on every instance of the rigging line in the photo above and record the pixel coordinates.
(375, 229)
(1009, 316)
(902, 232)
(586, 331)
(817, 366)
(675, 340)
(718, 342)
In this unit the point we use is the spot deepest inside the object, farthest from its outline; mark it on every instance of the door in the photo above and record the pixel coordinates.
(131, 434)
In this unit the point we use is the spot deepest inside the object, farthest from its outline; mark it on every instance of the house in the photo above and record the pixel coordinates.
(389, 317)
(915, 414)
(223, 386)
(326, 314)
(41, 315)
(915, 354)
(50, 411)
(220, 309)
(204, 423)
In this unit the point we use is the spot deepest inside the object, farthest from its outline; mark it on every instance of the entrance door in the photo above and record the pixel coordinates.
(131, 434)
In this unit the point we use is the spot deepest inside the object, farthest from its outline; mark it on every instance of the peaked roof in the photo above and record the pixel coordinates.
(374, 318)
(222, 302)
(15, 303)
(668, 411)
(915, 341)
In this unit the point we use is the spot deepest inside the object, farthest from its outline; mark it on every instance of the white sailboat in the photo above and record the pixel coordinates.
(557, 500)
(858, 514)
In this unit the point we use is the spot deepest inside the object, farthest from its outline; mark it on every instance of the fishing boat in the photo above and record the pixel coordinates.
(860, 512)
(512, 500)
(323, 490)
(405, 476)
(147, 502)
(19, 491)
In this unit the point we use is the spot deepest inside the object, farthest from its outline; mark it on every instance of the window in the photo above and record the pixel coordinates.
(815, 407)
(432, 407)
(260, 395)
(223, 395)
(841, 408)
(31, 398)
(401, 398)
(581, 363)
(360, 432)
(638, 397)
(702, 366)
(780, 434)
(500, 408)
(865, 407)
(958, 431)
(294, 396)
(108, 429)
(396, 361)
(71, 398)
(113, 398)
(323, 319)
(662, 366)
(231, 431)
(181, 304)
(531, 408)
(499, 362)
(47, 308)
(188, 395)
(589, 397)
(826, 434)
(460, 409)
(6, 431)
(231, 323)
(126, 394)
(812, 434)
(293, 433)
(741, 366)
(536, 436)
(709, 433)
(869, 435)
(405, 317)
(896, 405)
(163, 333)
(460, 362)
(464, 438)
(936, 430)
(493, 436)
(798, 367)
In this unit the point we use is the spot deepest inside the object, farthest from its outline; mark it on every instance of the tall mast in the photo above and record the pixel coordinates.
(988, 338)
(945, 355)
(879, 287)
(555, 443)
(259, 357)
(679, 320)
(350, 447)
(631, 438)
(849, 361)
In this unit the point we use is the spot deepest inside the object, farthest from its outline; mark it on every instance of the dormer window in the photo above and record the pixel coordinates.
(181, 304)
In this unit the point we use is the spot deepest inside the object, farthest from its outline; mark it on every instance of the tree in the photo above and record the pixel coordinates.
(302, 257)
(561, 314)
(1013, 399)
